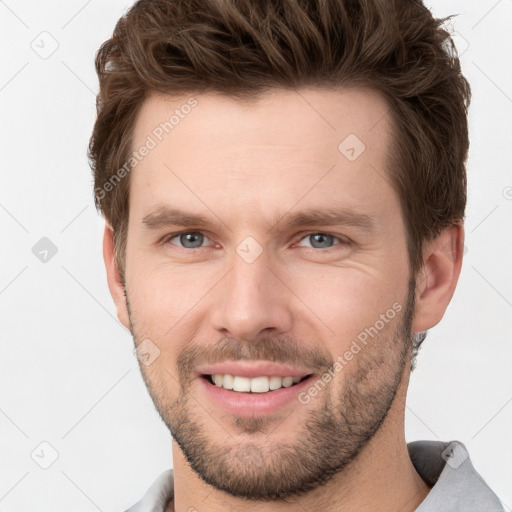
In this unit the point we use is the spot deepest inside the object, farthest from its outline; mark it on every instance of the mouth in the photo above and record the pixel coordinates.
(264, 395)
(256, 385)
(254, 388)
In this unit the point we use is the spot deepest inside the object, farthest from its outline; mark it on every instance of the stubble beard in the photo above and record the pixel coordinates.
(334, 433)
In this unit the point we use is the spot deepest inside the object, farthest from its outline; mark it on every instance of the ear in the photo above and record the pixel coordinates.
(115, 282)
(437, 280)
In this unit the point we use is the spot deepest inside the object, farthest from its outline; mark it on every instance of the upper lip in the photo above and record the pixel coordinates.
(251, 369)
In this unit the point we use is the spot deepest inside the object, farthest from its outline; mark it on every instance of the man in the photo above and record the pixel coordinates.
(284, 187)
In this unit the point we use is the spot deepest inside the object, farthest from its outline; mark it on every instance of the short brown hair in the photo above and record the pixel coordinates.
(242, 48)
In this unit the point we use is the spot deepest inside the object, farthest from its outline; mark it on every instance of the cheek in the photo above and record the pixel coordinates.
(173, 302)
(350, 300)
(168, 307)
(160, 296)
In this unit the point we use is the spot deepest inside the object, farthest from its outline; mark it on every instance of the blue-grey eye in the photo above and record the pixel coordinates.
(320, 240)
(190, 240)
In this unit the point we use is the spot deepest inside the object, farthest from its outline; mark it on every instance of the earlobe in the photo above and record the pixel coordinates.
(436, 282)
(115, 282)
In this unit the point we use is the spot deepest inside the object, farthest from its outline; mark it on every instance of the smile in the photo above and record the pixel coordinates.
(262, 384)
(255, 396)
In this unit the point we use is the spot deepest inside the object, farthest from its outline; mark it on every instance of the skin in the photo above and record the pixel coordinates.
(244, 166)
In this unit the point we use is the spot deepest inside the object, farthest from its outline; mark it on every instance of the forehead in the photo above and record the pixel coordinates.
(307, 145)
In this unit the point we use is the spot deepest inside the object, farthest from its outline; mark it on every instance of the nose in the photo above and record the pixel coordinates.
(252, 298)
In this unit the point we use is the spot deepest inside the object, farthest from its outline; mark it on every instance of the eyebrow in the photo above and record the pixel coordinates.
(164, 216)
(325, 216)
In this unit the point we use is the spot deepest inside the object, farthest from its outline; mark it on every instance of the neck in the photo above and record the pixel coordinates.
(382, 477)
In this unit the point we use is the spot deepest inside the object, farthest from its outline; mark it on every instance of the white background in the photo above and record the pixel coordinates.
(67, 370)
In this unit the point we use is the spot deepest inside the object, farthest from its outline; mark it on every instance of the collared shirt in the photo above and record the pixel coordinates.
(446, 466)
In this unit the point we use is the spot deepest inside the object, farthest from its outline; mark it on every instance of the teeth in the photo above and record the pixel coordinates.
(287, 382)
(240, 383)
(255, 385)
(227, 381)
(259, 385)
(276, 383)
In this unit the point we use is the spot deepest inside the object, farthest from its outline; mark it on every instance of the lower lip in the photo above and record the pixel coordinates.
(253, 404)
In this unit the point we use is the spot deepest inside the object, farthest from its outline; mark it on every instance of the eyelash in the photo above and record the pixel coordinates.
(343, 241)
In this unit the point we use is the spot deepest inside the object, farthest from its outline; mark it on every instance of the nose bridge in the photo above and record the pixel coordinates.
(251, 298)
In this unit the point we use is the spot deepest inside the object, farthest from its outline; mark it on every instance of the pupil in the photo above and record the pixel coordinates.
(193, 238)
(321, 235)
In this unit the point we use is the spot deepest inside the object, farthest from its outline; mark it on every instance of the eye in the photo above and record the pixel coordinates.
(195, 240)
(322, 240)
(187, 239)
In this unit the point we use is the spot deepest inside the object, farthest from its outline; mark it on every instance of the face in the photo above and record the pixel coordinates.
(264, 242)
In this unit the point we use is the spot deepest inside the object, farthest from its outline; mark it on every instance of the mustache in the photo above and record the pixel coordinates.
(282, 350)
